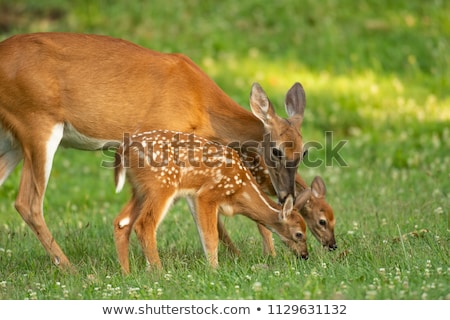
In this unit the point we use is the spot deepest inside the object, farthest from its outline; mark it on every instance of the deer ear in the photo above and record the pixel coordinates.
(318, 187)
(302, 198)
(287, 208)
(295, 103)
(260, 105)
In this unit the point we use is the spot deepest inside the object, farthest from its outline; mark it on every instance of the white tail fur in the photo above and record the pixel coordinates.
(120, 172)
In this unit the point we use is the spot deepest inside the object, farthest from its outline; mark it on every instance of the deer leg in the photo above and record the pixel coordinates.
(38, 158)
(206, 220)
(268, 246)
(223, 234)
(122, 230)
(225, 238)
(153, 211)
(210, 253)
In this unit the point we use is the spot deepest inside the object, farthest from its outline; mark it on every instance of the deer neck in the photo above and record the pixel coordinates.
(257, 206)
(232, 124)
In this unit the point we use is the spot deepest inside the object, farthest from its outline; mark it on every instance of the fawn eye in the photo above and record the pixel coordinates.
(299, 235)
(322, 222)
(277, 153)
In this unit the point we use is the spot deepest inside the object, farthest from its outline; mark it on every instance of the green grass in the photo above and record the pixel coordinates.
(376, 74)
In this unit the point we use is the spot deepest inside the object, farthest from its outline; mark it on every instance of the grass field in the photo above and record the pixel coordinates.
(376, 75)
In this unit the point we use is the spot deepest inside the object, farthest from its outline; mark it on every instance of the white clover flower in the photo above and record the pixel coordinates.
(167, 276)
(405, 284)
(439, 210)
(371, 294)
(257, 286)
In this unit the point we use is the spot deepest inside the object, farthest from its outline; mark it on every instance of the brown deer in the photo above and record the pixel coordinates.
(163, 165)
(86, 91)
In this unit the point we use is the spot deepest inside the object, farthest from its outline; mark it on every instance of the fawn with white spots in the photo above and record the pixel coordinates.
(164, 165)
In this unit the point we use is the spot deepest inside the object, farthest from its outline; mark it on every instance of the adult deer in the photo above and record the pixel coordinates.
(163, 165)
(87, 91)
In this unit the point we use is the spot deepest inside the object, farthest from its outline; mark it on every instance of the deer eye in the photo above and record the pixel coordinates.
(322, 222)
(299, 235)
(277, 153)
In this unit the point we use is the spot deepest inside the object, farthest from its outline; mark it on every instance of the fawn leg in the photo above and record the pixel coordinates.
(122, 230)
(225, 238)
(266, 234)
(153, 211)
(206, 220)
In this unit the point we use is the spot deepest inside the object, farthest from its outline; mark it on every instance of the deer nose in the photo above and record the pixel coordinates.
(282, 196)
(305, 256)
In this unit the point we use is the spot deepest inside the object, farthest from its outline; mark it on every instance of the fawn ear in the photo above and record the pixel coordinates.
(260, 105)
(318, 187)
(287, 208)
(304, 196)
(295, 103)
